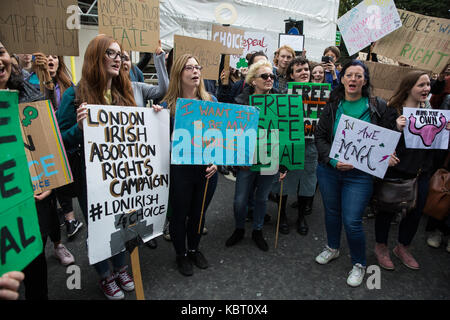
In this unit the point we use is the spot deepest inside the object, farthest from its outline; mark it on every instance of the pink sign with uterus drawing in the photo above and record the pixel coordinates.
(426, 128)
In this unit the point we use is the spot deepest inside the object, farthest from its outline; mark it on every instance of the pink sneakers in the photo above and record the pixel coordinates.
(382, 254)
(405, 257)
(63, 255)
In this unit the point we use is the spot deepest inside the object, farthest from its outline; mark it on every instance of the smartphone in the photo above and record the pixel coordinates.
(327, 59)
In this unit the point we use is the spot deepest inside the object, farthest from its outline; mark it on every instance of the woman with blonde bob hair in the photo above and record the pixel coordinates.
(103, 81)
(260, 79)
(188, 182)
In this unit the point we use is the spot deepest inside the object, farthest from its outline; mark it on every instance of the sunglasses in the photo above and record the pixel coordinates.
(266, 76)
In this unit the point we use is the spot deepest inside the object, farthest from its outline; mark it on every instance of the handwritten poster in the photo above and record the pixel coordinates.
(368, 22)
(315, 96)
(254, 42)
(426, 128)
(211, 132)
(230, 38)
(280, 119)
(47, 159)
(29, 26)
(127, 170)
(422, 41)
(133, 23)
(20, 238)
(364, 145)
(208, 52)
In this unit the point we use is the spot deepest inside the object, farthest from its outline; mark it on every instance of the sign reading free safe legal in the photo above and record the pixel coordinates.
(20, 238)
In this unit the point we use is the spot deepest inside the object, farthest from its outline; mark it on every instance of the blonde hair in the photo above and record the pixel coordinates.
(175, 89)
(251, 75)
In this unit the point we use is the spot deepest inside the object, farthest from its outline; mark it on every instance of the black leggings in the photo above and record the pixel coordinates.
(35, 281)
(187, 186)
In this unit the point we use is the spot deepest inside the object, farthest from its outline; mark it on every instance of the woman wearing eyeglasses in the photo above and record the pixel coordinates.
(187, 182)
(104, 82)
(260, 79)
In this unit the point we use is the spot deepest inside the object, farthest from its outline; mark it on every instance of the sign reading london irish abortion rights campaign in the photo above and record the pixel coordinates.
(127, 171)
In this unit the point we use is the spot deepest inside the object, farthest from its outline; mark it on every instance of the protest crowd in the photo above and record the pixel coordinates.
(347, 99)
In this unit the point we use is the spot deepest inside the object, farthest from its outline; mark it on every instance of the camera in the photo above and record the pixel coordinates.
(327, 59)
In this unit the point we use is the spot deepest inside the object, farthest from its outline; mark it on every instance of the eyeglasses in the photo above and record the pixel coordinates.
(125, 58)
(114, 54)
(266, 76)
(191, 68)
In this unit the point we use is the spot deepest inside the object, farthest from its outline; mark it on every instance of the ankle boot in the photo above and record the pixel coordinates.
(302, 226)
(308, 205)
(284, 226)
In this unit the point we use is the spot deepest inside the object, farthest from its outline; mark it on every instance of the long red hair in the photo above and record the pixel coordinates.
(93, 83)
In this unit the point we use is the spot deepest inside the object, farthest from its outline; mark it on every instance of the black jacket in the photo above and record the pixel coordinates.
(243, 98)
(380, 115)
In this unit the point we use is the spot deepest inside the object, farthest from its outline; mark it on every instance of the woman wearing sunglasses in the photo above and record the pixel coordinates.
(260, 79)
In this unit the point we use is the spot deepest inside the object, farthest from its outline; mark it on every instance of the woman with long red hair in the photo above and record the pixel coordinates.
(103, 81)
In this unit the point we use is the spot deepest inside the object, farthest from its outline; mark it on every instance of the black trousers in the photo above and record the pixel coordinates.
(187, 186)
(35, 281)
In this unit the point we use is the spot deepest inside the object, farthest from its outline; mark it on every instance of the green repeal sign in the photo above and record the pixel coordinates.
(20, 238)
(284, 114)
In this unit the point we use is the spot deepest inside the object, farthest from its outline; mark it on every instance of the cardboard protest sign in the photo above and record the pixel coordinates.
(29, 26)
(368, 22)
(364, 145)
(127, 171)
(208, 52)
(20, 238)
(315, 96)
(281, 134)
(47, 159)
(426, 128)
(208, 132)
(230, 38)
(253, 42)
(385, 78)
(133, 23)
(422, 41)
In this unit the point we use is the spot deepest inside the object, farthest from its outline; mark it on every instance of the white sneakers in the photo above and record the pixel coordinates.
(356, 275)
(435, 239)
(327, 255)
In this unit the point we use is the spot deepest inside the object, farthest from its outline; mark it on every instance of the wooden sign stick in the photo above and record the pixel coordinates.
(279, 210)
(136, 267)
(203, 206)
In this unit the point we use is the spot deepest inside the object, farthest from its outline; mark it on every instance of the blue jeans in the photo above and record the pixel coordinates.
(345, 196)
(245, 182)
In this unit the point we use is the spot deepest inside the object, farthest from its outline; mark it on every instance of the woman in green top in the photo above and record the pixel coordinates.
(345, 190)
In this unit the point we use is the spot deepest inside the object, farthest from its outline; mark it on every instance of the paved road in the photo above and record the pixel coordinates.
(244, 272)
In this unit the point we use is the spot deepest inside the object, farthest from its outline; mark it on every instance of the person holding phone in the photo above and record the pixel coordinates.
(330, 56)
